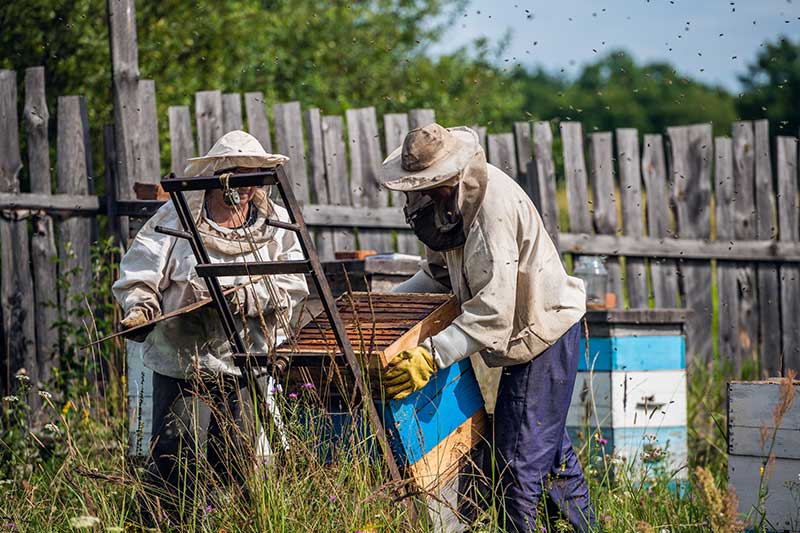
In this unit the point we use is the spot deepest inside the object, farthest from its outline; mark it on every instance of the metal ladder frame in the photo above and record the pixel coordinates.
(250, 362)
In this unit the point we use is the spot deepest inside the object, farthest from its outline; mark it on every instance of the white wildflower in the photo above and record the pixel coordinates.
(84, 522)
(22, 376)
(52, 428)
(45, 395)
(10, 399)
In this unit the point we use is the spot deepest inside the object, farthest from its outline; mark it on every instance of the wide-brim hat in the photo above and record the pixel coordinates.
(429, 157)
(234, 149)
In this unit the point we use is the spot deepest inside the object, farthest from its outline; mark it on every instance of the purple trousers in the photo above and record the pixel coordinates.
(534, 452)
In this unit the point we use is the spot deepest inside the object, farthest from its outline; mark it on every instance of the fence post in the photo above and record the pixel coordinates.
(691, 152)
(16, 285)
(663, 272)
(365, 158)
(542, 177)
(43, 246)
(727, 285)
(232, 112)
(336, 174)
(74, 234)
(208, 114)
(289, 142)
(630, 187)
(316, 167)
(257, 123)
(769, 310)
(786, 162)
(395, 126)
(605, 203)
(125, 86)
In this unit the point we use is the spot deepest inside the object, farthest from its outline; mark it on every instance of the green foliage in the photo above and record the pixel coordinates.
(616, 92)
(772, 87)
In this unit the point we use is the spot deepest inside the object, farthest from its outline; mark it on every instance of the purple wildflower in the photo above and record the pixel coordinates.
(332, 498)
(308, 385)
(11, 526)
(602, 441)
(292, 395)
(209, 508)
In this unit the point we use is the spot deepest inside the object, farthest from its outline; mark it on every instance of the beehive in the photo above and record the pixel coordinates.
(630, 391)
(435, 431)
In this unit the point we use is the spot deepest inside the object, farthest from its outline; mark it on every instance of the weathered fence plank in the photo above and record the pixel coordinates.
(147, 166)
(769, 311)
(289, 142)
(336, 172)
(16, 284)
(542, 172)
(74, 234)
(208, 115)
(257, 122)
(630, 186)
(743, 175)
(501, 153)
(786, 161)
(727, 284)
(522, 142)
(125, 85)
(365, 157)
(691, 152)
(663, 272)
(181, 140)
(575, 172)
(418, 118)
(605, 203)
(316, 168)
(395, 126)
(232, 112)
(43, 246)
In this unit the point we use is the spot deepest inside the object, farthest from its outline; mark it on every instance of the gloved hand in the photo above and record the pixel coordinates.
(136, 316)
(408, 372)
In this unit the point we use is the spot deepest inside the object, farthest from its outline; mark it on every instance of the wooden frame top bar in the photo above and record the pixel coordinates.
(173, 183)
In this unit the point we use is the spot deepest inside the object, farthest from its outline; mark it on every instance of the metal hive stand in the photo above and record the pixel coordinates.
(246, 361)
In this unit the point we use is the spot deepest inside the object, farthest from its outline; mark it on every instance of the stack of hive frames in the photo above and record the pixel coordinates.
(436, 432)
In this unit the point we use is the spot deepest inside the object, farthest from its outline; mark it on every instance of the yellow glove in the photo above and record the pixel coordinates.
(408, 372)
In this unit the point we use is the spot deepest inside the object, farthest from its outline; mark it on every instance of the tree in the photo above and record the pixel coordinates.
(771, 87)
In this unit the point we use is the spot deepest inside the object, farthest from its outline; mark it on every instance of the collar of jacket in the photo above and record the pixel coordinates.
(234, 241)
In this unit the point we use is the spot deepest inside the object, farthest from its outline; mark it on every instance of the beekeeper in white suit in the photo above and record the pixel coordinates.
(191, 353)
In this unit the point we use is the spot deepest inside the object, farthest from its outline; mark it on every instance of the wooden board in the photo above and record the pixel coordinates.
(418, 118)
(575, 170)
(691, 153)
(782, 511)
(522, 144)
(543, 181)
(146, 148)
(648, 399)
(74, 234)
(502, 153)
(630, 187)
(663, 272)
(727, 283)
(396, 128)
(289, 142)
(769, 307)
(208, 114)
(365, 159)
(257, 122)
(605, 204)
(232, 112)
(743, 176)
(788, 231)
(43, 247)
(647, 352)
(181, 140)
(336, 174)
(319, 187)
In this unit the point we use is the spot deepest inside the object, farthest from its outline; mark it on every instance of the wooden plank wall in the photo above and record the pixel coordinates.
(630, 187)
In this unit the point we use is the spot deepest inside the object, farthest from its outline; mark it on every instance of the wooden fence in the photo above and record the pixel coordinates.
(678, 215)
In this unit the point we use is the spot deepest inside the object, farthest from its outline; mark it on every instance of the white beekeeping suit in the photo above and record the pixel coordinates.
(158, 275)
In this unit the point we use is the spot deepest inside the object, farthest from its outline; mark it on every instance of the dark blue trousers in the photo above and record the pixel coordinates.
(534, 452)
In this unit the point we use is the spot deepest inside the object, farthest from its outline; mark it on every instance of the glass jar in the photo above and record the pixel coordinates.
(592, 270)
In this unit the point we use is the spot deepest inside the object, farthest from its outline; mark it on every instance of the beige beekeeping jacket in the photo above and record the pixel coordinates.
(516, 298)
(157, 272)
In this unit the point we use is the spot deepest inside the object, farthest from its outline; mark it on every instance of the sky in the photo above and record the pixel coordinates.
(710, 40)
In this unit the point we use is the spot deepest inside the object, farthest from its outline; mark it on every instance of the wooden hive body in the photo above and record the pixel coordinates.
(435, 431)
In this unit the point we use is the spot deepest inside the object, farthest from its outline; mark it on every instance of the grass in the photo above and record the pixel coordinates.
(74, 474)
